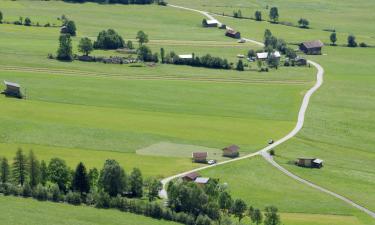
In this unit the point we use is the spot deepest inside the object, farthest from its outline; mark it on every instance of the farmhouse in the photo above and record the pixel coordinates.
(312, 47)
(12, 89)
(264, 55)
(233, 34)
(210, 23)
(202, 180)
(200, 157)
(190, 176)
(310, 162)
(231, 151)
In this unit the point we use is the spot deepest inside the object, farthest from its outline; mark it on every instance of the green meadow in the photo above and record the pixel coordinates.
(91, 111)
(32, 212)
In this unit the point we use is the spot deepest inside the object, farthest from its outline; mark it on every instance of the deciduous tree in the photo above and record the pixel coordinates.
(85, 46)
(142, 37)
(65, 51)
(274, 14)
(239, 208)
(112, 178)
(333, 38)
(59, 173)
(258, 16)
(271, 216)
(136, 183)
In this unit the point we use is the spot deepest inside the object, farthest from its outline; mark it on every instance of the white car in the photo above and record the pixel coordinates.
(211, 162)
(241, 40)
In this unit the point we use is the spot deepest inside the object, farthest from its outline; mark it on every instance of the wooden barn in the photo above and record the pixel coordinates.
(231, 151)
(190, 176)
(209, 23)
(310, 162)
(312, 47)
(200, 157)
(233, 34)
(12, 89)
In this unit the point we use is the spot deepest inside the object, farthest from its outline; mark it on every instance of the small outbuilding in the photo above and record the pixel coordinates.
(233, 34)
(300, 61)
(202, 180)
(210, 23)
(190, 176)
(312, 47)
(200, 157)
(12, 89)
(310, 162)
(231, 151)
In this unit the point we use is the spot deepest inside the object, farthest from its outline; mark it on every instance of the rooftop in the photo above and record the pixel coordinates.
(202, 180)
(11, 84)
(313, 44)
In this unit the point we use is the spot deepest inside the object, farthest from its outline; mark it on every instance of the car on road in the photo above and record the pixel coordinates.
(211, 162)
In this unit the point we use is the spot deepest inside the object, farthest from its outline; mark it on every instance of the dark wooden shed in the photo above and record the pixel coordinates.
(312, 47)
(310, 162)
(190, 176)
(12, 89)
(231, 151)
(233, 34)
(200, 157)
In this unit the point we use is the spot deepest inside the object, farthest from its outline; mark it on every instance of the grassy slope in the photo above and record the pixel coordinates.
(343, 15)
(19, 211)
(339, 126)
(65, 99)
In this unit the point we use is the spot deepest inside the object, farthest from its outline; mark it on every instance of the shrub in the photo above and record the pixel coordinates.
(27, 21)
(363, 45)
(351, 41)
(40, 193)
(102, 200)
(26, 190)
(203, 220)
(54, 191)
(272, 152)
(73, 198)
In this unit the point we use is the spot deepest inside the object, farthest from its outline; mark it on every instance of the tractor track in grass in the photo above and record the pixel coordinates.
(265, 151)
(149, 77)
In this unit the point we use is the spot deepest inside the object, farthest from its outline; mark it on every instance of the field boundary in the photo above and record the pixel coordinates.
(264, 152)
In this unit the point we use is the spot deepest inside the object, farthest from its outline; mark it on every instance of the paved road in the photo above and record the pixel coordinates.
(264, 151)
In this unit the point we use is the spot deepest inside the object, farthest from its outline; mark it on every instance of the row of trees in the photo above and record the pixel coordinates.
(351, 41)
(26, 172)
(207, 61)
(213, 203)
(126, 2)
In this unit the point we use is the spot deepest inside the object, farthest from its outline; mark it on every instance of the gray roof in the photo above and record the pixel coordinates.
(7, 83)
(202, 180)
(313, 44)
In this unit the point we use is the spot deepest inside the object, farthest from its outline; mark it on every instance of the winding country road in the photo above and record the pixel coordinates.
(265, 151)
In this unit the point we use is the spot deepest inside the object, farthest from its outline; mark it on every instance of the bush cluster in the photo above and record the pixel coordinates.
(206, 61)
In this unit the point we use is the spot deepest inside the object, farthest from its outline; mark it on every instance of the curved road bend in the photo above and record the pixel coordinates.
(264, 151)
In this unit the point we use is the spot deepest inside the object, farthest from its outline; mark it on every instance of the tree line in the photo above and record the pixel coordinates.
(213, 204)
(26, 175)
(351, 41)
(125, 2)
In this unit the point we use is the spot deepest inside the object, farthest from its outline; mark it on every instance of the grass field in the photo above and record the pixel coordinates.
(345, 16)
(93, 111)
(32, 212)
(87, 108)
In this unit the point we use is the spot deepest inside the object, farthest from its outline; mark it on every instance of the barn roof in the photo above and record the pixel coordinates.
(231, 31)
(7, 83)
(232, 148)
(313, 44)
(187, 56)
(202, 180)
(212, 22)
(318, 161)
(200, 154)
(192, 175)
